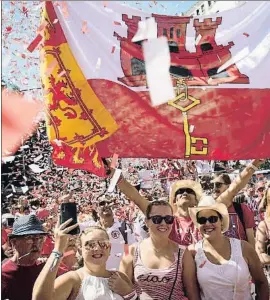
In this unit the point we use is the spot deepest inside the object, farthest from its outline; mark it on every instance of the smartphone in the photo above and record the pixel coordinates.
(68, 211)
(10, 222)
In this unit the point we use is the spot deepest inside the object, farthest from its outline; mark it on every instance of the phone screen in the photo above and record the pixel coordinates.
(68, 211)
(10, 222)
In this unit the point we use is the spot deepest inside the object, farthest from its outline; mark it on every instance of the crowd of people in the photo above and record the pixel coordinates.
(171, 229)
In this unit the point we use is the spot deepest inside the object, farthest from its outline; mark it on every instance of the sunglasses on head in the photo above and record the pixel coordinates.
(182, 191)
(211, 219)
(91, 245)
(158, 219)
(218, 184)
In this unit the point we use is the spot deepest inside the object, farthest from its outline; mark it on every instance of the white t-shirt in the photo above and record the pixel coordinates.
(118, 244)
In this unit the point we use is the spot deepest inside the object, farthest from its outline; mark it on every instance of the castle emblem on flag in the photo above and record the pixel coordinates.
(199, 68)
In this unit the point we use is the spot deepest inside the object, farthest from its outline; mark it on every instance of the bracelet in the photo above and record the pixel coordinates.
(57, 256)
(131, 296)
(253, 167)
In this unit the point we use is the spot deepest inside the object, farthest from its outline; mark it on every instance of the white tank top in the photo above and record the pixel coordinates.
(96, 288)
(228, 281)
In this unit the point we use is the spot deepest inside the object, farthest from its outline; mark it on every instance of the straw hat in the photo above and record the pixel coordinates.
(208, 202)
(186, 184)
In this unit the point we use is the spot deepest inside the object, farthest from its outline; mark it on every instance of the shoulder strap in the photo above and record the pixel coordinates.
(239, 211)
(123, 230)
(177, 267)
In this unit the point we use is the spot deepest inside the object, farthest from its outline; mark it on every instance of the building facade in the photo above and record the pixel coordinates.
(211, 7)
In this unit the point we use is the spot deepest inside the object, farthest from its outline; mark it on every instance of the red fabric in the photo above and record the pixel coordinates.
(47, 246)
(228, 118)
(16, 124)
(18, 281)
(4, 236)
(236, 229)
(184, 232)
(63, 269)
(42, 214)
(145, 131)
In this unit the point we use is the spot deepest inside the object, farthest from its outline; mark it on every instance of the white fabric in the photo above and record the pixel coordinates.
(117, 242)
(139, 233)
(251, 18)
(96, 288)
(146, 30)
(146, 178)
(229, 281)
(157, 64)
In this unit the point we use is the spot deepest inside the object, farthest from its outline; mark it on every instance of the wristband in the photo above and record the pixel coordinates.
(131, 296)
(57, 256)
(253, 167)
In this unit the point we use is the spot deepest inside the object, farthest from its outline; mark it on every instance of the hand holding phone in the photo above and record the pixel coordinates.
(69, 211)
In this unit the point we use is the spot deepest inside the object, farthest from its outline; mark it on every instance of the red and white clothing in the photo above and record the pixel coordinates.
(159, 283)
(226, 281)
(184, 232)
(18, 281)
(236, 229)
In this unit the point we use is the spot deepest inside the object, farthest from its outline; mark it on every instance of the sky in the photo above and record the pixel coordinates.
(20, 20)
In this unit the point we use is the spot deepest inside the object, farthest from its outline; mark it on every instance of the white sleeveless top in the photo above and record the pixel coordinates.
(96, 288)
(229, 281)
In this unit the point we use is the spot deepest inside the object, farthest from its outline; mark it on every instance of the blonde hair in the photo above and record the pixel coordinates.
(93, 228)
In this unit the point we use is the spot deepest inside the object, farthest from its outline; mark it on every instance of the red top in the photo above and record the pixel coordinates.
(184, 232)
(47, 246)
(18, 281)
(4, 237)
(236, 229)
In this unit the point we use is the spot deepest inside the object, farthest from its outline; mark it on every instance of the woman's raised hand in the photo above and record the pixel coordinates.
(61, 236)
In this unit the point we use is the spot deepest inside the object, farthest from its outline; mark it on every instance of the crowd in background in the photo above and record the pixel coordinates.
(34, 187)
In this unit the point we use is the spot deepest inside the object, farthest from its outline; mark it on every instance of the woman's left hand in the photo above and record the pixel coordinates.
(119, 285)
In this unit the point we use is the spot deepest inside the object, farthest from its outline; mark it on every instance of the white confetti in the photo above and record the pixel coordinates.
(157, 64)
(147, 29)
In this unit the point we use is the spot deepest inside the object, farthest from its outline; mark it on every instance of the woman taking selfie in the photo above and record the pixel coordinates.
(263, 237)
(89, 282)
(224, 265)
(158, 267)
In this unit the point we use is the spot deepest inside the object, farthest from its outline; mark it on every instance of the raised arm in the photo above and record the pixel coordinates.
(46, 287)
(239, 183)
(132, 194)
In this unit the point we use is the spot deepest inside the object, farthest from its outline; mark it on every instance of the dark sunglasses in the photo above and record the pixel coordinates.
(158, 219)
(182, 191)
(203, 220)
(218, 184)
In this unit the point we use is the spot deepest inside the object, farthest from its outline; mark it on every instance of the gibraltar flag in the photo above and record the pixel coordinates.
(96, 84)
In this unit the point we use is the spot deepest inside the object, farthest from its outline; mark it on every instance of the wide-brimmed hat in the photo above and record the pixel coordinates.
(187, 184)
(208, 202)
(26, 225)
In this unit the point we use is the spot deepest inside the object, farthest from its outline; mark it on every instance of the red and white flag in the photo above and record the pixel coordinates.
(218, 67)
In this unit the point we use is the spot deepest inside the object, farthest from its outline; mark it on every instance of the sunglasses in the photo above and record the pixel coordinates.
(182, 191)
(203, 220)
(91, 245)
(158, 219)
(218, 184)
